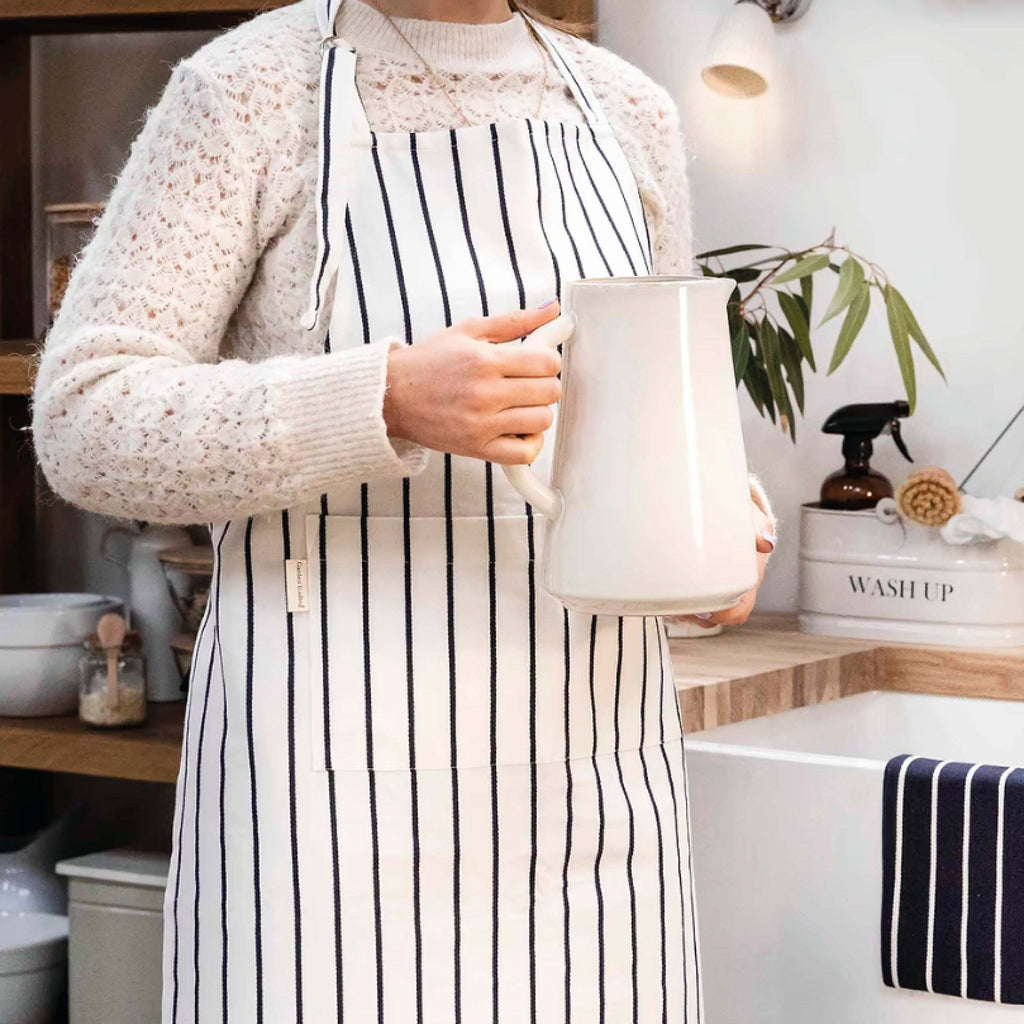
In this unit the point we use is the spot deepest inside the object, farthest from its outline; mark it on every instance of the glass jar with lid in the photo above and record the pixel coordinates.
(118, 700)
(69, 227)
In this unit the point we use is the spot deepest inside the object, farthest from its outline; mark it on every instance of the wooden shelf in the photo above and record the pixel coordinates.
(30, 9)
(17, 367)
(149, 753)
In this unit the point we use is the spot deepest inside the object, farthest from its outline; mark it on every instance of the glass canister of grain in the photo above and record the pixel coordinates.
(112, 681)
(69, 227)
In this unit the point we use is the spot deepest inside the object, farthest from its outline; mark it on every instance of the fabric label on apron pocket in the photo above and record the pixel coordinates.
(296, 574)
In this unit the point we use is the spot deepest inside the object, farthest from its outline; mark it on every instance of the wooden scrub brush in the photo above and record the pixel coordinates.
(929, 497)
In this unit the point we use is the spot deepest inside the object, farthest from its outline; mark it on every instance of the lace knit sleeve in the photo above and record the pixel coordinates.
(134, 412)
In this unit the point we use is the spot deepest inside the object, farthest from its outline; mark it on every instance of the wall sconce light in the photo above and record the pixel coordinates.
(739, 61)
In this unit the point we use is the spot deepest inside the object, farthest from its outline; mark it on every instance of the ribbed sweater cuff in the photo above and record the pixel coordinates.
(331, 409)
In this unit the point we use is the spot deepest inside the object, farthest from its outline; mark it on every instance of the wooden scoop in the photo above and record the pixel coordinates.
(110, 631)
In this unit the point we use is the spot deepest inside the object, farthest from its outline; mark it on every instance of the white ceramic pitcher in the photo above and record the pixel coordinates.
(648, 509)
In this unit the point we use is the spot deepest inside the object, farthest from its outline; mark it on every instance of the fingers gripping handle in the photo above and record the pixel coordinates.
(545, 499)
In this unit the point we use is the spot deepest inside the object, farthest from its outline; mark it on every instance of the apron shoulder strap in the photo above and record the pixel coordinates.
(343, 126)
(570, 72)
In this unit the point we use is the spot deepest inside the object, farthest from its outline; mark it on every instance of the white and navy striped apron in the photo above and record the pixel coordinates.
(436, 796)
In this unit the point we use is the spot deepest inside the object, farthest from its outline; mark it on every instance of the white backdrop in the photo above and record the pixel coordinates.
(899, 123)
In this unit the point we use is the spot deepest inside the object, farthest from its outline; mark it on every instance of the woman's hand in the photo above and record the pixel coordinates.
(461, 391)
(740, 612)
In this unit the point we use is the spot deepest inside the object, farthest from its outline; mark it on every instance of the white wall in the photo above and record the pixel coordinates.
(899, 123)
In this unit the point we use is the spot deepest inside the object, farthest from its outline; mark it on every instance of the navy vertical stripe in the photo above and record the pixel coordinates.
(461, 192)
(364, 544)
(198, 787)
(540, 211)
(948, 881)
(657, 822)
(1012, 945)
(332, 795)
(915, 877)
(982, 873)
(409, 659)
(600, 826)
(568, 819)
(449, 541)
(675, 811)
(689, 848)
(388, 217)
(293, 822)
(222, 795)
(632, 830)
(253, 796)
(892, 770)
(500, 181)
(492, 599)
(532, 630)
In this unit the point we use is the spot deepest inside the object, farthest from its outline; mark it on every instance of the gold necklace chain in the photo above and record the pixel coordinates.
(436, 78)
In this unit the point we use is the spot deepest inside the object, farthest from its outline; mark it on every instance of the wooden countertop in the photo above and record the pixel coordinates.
(767, 666)
(760, 668)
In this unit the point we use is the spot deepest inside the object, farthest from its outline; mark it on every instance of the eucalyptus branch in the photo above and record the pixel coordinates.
(769, 348)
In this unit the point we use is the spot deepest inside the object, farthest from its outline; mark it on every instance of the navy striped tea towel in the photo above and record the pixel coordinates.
(953, 878)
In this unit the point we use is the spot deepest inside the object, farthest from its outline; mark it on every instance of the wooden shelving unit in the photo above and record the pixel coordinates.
(17, 367)
(27, 9)
(149, 753)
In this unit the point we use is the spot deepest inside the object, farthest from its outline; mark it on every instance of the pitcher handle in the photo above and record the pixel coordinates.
(545, 499)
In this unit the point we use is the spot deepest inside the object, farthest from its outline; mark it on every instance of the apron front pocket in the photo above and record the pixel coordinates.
(404, 655)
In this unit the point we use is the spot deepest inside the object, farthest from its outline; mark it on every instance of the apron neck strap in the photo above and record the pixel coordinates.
(567, 68)
(343, 129)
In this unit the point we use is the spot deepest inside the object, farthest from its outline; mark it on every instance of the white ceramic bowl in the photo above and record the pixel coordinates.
(33, 967)
(41, 637)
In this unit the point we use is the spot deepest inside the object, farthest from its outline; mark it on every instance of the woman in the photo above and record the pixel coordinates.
(413, 787)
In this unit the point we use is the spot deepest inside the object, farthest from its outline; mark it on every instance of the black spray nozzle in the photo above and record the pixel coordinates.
(862, 423)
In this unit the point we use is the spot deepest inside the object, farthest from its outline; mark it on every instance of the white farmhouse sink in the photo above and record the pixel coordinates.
(787, 844)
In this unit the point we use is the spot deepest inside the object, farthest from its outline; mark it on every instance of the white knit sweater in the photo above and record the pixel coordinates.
(177, 384)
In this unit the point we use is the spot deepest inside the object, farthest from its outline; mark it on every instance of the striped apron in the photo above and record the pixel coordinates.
(419, 789)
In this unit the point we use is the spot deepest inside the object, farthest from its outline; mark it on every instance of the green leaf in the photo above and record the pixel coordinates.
(854, 321)
(808, 265)
(807, 294)
(756, 379)
(773, 368)
(791, 361)
(741, 275)
(793, 309)
(914, 329)
(740, 350)
(729, 250)
(899, 328)
(851, 277)
(750, 382)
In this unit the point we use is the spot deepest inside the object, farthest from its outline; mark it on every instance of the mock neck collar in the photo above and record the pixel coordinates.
(444, 44)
